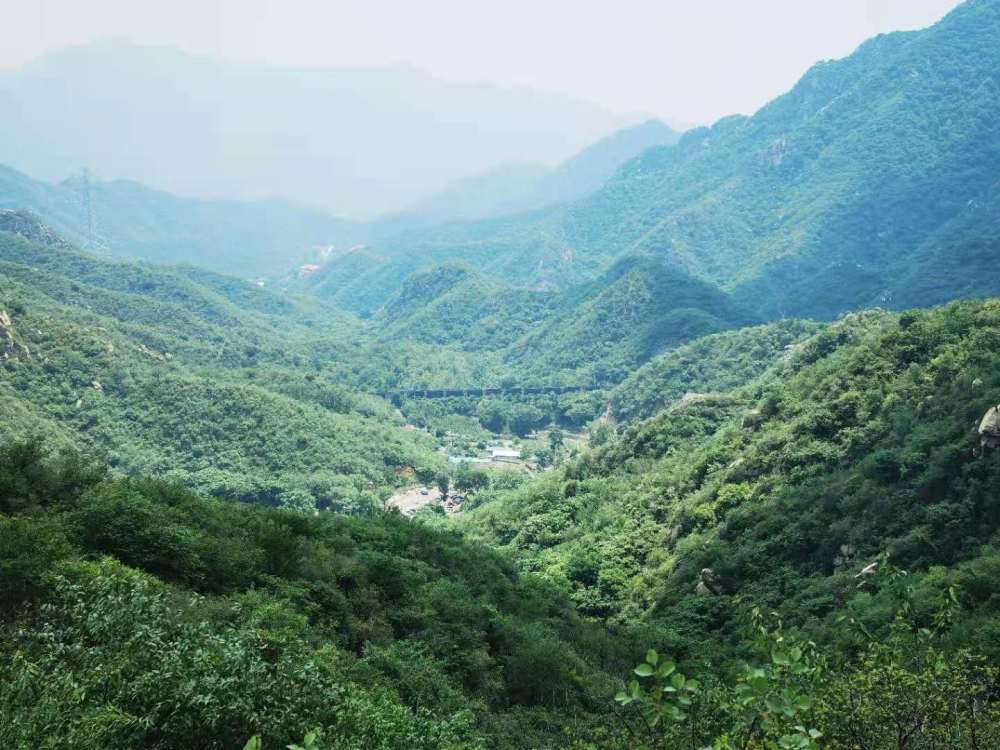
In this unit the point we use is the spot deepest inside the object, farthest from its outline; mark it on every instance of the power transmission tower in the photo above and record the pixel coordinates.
(88, 208)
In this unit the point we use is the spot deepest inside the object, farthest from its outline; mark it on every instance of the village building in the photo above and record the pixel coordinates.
(505, 454)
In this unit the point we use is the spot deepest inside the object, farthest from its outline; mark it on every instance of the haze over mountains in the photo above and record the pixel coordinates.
(836, 195)
(859, 187)
(271, 237)
(520, 187)
(121, 218)
(357, 142)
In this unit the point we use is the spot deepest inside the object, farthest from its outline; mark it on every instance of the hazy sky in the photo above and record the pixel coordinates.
(689, 60)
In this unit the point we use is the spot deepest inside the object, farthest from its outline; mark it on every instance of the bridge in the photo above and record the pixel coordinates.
(514, 390)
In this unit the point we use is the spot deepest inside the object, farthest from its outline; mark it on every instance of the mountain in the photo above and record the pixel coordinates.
(357, 141)
(873, 178)
(457, 306)
(127, 598)
(710, 364)
(861, 441)
(248, 238)
(602, 330)
(517, 188)
(227, 387)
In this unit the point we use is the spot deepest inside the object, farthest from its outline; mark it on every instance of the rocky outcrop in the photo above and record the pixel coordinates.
(989, 428)
(709, 584)
(10, 347)
(30, 226)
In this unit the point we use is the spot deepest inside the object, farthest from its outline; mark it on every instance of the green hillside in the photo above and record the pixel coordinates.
(873, 178)
(862, 439)
(148, 616)
(210, 380)
(684, 446)
(603, 329)
(250, 239)
(712, 363)
(139, 614)
(455, 305)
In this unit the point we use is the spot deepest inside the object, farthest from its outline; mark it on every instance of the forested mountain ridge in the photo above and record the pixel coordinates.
(517, 188)
(601, 330)
(233, 514)
(384, 632)
(125, 219)
(814, 204)
(220, 384)
(591, 334)
(872, 176)
(710, 364)
(863, 439)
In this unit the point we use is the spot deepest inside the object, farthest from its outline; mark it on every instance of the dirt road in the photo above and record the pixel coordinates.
(411, 500)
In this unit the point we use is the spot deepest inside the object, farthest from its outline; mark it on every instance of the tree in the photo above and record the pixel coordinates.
(555, 439)
(443, 482)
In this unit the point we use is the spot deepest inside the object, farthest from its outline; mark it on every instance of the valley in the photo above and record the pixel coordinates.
(665, 440)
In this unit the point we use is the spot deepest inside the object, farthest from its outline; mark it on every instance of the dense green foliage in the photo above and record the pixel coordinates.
(136, 613)
(454, 305)
(207, 379)
(862, 442)
(798, 523)
(606, 328)
(712, 363)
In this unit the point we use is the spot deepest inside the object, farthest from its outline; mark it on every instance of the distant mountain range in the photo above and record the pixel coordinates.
(270, 238)
(126, 219)
(355, 141)
(872, 182)
(520, 187)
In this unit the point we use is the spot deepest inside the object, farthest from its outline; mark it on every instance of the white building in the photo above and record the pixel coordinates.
(505, 454)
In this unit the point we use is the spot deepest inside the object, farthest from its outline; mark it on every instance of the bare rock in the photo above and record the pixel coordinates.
(10, 347)
(709, 583)
(28, 225)
(989, 428)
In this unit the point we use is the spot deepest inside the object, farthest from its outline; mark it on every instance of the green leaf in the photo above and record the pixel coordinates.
(253, 743)
(652, 657)
(666, 669)
(644, 670)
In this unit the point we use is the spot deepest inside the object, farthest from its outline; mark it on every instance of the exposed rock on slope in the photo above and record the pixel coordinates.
(989, 428)
(9, 347)
(30, 226)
